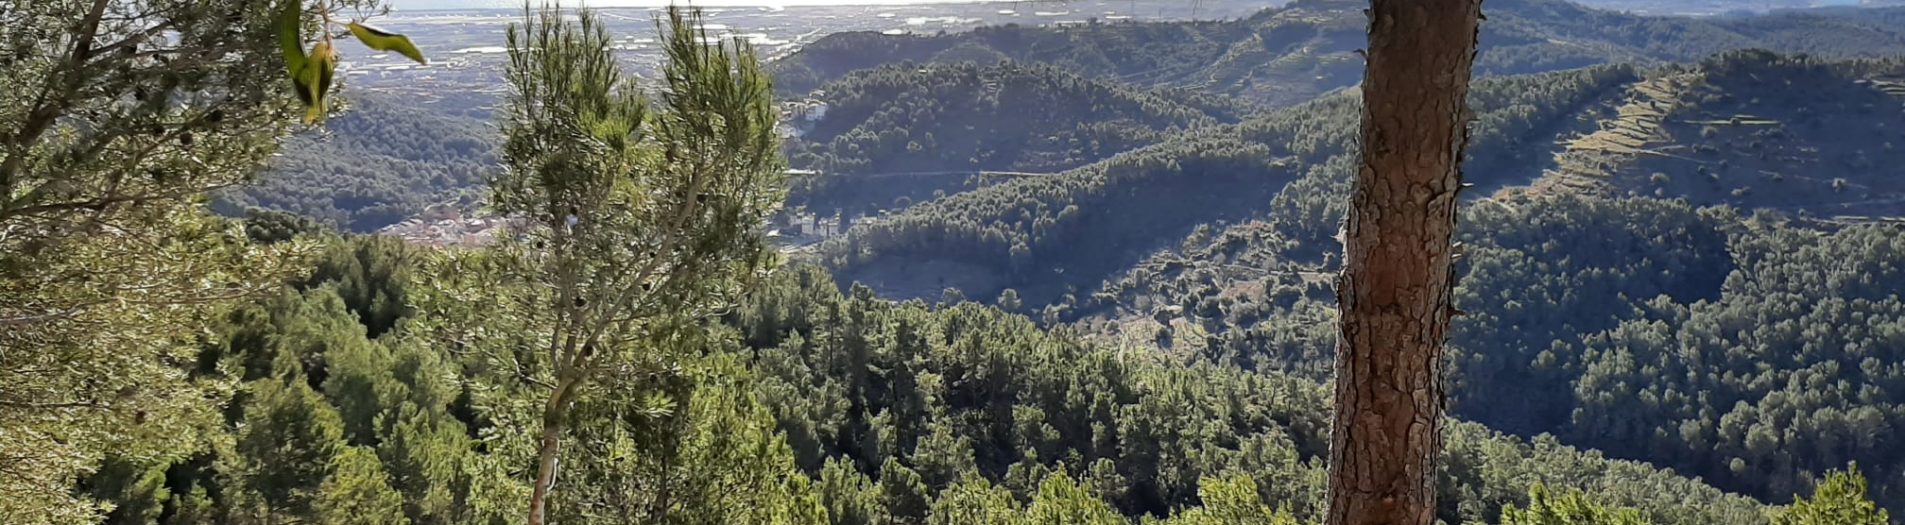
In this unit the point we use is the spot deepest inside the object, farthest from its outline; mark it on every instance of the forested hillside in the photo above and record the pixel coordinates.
(1279, 57)
(1118, 50)
(1678, 283)
(973, 399)
(1598, 130)
(1554, 277)
(1742, 349)
(378, 163)
(1050, 236)
(908, 130)
(891, 98)
(1290, 54)
(1755, 130)
(368, 385)
(365, 386)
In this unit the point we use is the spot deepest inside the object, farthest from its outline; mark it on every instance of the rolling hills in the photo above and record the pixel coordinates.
(1651, 210)
(1050, 236)
(1276, 58)
(1291, 54)
(1147, 82)
(1552, 133)
(905, 131)
(379, 162)
(1753, 130)
(1605, 303)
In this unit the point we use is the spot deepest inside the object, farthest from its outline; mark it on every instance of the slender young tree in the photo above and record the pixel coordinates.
(640, 216)
(1393, 296)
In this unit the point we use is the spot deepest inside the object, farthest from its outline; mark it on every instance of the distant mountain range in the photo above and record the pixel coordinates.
(1750, 129)
(1169, 77)
(1179, 187)
(380, 162)
(1287, 55)
(900, 104)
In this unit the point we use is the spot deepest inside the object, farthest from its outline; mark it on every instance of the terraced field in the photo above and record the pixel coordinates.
(1798, 136)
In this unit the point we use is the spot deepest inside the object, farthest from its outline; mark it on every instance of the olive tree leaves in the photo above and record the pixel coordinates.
(312, 72)
(382, 40)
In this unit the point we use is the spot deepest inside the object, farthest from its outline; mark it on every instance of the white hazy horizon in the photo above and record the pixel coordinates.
(401, 5)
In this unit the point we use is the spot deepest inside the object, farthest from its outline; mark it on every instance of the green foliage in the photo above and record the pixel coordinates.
(393, 385)
(975, 501)
(912, 129)
(118, 117)
(1679, 306)
(1527, 269)
(1571, 508)
(1749, 390)
(271, 227)
(138, 492)
(357, 493)
(312, 72)
(1231, 500)
(635, 210)
(1048, 236)
(905, 496)
(382, 40)
(1533, 265)
(639, 219)
(286, 445)
(1652, 330)
(858, 383)
(1218, 279)
(713, 456)
(1061, 500)
(336, 427)
(368, 273)
(1838, 500)
(1568, 299)
(378, 163)
(850, 498)
(328, 425)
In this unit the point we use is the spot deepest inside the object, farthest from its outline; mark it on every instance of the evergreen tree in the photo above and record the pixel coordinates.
(905, 496)
(358, 492)
(286, 447)
(1393, 297)
(1571, 508)
(975, 501)
(850, 498)
(1062, 500)
(1231, 500)
(116, 116)
(1838, 500)
(640, 217)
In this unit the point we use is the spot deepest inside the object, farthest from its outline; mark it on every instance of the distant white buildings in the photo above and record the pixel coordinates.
(444, 225)
(797, 116)
(805, 110)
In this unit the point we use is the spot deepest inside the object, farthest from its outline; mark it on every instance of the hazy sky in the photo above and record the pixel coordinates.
(455, 4)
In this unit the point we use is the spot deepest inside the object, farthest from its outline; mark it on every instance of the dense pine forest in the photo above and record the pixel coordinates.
(1093, 276)
(375, 165)
(935, 128)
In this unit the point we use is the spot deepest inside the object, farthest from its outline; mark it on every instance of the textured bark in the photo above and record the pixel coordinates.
(545, 473)
(554, 415)
(1393, 296)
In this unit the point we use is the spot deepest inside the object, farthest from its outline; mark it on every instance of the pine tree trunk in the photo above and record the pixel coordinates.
(554, 414)
(1393, 296)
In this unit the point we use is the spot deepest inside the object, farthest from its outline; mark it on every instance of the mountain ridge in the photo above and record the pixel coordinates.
(1285, 55)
